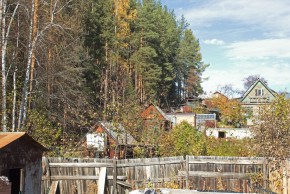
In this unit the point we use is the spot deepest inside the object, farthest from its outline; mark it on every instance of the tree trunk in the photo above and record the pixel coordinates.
(106, 93)
(5, 30)
(31, 46)
(14, 80)
(48, 75)
(14, 101)
(49, 59)
(106, 83)
(34, 34)
(3, 63)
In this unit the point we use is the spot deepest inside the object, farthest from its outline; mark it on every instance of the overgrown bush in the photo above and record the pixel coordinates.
(229, 147)
(183, 140)
(272, 129)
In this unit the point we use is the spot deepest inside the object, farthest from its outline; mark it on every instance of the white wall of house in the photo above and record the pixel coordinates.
(238, 133)
(177, 118)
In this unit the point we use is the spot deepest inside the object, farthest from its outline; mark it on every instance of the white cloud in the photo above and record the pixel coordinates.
(259, 49)
(276, 73)
(221, 77)
(274, 16)
(261, 32)
(214, 42)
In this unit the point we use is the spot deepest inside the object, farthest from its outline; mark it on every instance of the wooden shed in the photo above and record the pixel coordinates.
(107, 139)
(21, 162)
(154, 117)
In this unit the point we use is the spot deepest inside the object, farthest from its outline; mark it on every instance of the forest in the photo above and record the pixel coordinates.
(66, 64)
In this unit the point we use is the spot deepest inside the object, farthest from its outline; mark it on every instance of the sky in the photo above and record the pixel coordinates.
(239, 38)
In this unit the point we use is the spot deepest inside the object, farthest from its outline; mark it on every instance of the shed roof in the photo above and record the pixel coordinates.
(159, 110)
(7, 138)
(118, 133)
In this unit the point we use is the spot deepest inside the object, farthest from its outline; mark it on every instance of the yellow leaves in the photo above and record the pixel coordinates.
(183, 139)
(124, 15)
(272, 129)
(230, 110)
(172, 185)
(229, 147)
(133, 15)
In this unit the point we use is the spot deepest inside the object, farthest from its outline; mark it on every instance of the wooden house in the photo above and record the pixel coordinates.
(211, 108)
(208, 101)
(153, 117)
(190, 104)
(219, 95)
(110, 140)
(258, 94)
(21, 162)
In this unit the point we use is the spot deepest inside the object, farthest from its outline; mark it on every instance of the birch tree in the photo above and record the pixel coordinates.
(31, 47)
(5, 32)
(34, 34)
(3, 61)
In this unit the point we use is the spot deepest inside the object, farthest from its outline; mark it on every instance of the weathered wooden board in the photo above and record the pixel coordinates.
(53, 187)
(102, 180)
(75, 175)
(214, 174)
(80, 177)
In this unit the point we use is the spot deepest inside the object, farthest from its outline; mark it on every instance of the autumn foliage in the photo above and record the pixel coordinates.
(183, 140)
(272, 129)
(230, 110)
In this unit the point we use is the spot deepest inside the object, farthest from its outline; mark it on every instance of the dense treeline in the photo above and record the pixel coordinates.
(141, 46)
(68, 63)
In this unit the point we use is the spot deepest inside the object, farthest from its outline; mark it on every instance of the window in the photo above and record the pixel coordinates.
(167, 126)
(222, 134)
(259, 92)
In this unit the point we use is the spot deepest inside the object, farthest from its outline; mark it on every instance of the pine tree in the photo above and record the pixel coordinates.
(189, 66)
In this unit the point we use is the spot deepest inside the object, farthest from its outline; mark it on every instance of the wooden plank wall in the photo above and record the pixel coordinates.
(231, 174)
(150, 172)
(71, 174)
(79, 175)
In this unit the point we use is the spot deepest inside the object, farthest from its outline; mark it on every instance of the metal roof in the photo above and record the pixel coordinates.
(161, 112)
(180, 113)
(7, 138)
(118, 133)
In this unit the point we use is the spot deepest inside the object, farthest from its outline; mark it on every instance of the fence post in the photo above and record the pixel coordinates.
(114, 176)
(187, 171)
(285, 177)
(46, 168)
(265, 173)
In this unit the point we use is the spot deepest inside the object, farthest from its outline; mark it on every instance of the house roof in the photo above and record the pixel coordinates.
(219, 93)
(254, 85)
(7, 138)
(287, 95)
(180, 113)
(161, 112)
(118, 133)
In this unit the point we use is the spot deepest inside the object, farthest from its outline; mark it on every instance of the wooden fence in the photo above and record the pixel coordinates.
(81, 175)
